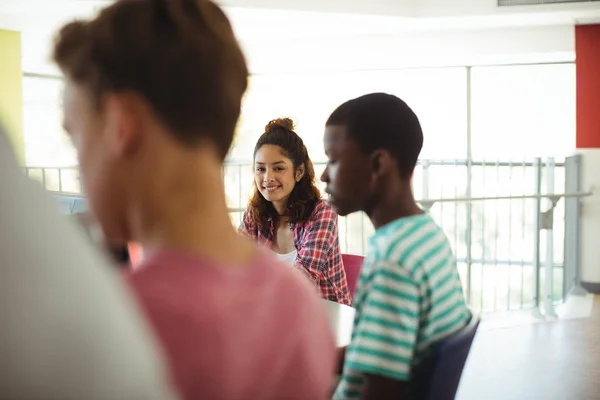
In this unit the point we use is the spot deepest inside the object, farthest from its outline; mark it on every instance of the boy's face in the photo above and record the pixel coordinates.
(92, 134)
(348, 172)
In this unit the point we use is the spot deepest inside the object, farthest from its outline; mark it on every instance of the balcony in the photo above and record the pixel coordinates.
(491, 211)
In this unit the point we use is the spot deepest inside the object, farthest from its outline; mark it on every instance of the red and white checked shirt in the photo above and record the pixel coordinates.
(318, 246)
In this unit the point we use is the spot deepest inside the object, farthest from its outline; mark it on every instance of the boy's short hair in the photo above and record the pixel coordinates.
(180, 55)
(382, 121)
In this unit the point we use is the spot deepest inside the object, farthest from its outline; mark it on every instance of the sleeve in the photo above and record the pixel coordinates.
(317, 243)
(385, 334)
(247, 226)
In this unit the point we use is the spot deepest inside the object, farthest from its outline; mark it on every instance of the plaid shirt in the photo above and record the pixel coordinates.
(318, 247)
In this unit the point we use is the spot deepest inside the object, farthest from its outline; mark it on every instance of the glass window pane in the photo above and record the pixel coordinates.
(46, 144)
(523, 111)
(438, 96)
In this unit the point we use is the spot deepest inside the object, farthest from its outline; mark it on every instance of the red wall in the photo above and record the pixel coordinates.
(587, 64)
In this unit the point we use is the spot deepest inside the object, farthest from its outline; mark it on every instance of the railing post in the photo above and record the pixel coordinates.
(536, 237)
(548, 226)
(44, 178)
(469, 233)
(60, 189)
(572, 255)
(469, 230)
(425, 186)
(80, 182)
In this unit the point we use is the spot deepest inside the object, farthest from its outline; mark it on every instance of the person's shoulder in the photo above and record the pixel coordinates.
(323, 211)
(405, 234)
(405, 243)
(164, 271)
(323, 206)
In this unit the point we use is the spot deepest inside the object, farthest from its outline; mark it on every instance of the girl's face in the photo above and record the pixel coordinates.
(275, 175)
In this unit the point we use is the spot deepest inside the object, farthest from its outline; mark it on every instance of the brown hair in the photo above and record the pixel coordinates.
(304, 196)
(180, 55)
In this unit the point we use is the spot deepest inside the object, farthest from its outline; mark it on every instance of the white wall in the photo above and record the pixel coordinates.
(315, 42)
(421, 8)
(412, 32)
(38, 22)
(382, 7)
(439, 48)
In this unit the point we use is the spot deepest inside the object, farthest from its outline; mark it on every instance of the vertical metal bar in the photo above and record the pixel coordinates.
(510, 224)
(60, 188)
(562, 189)
(469, 231)
(523, 234)
(469, 210)
(536, 238)
(469, 114)
(549, 306)
(572, 252)
(44, 178)
(456, 172)
(483, 252)
(425, 181)
(496, 234)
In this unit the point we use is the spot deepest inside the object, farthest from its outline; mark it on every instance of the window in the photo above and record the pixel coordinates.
(517, 113)
(46, 144)
(438, 97)
(523, 111)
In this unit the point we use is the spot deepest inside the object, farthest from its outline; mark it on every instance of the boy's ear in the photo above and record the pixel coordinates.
(381, 162)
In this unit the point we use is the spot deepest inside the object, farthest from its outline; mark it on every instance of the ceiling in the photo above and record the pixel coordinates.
(260, 19)
(298, 26)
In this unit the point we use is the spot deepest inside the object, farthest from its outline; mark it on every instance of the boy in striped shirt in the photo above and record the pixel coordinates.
(409, 295)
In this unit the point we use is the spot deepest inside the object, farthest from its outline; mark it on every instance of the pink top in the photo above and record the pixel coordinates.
(252, 332)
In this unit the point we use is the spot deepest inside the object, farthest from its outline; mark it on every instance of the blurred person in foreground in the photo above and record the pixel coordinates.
(153, 95)
(118, 252)
(69, 328)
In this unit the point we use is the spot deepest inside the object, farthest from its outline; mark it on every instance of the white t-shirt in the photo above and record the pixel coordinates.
(288, 258)
(70, 329)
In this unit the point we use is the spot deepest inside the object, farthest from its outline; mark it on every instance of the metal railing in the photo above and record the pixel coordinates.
(493, 212)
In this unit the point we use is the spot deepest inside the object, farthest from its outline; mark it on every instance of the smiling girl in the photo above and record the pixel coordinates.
(287, 215)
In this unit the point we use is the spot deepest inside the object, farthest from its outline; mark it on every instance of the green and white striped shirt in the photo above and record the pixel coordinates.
(409, 297)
